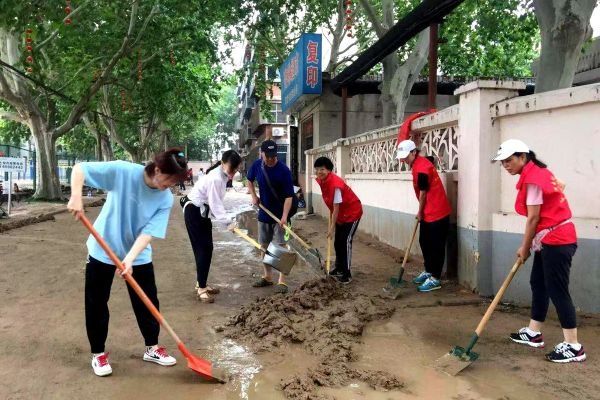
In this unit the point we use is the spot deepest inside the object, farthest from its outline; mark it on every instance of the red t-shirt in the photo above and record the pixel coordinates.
(553, 211)
(350, 207)
(436, 202)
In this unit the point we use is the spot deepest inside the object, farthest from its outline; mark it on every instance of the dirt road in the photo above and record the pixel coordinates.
(44, 351)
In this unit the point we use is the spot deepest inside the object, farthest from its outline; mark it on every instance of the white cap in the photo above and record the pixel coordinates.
(510, 147)
(405, 147)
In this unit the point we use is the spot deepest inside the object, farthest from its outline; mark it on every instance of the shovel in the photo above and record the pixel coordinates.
(276, 256)
(328, 264)
(460, 358)
(312, 257)
(197, 364)
(396, 282)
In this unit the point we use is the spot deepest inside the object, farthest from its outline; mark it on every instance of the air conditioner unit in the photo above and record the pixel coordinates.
(291, 120)
(278, 131)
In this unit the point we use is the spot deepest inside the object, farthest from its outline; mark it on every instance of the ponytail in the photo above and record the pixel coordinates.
(215, 165)
(533, 158)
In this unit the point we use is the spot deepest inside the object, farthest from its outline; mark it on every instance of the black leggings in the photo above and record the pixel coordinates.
(432, 238)
(98, 281)
(200, 233)
(344, 233)
(550, 281)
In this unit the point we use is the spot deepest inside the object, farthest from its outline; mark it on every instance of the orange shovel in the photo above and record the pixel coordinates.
(197, 364)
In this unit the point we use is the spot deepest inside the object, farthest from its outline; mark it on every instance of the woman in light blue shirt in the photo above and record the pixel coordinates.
(137, 209)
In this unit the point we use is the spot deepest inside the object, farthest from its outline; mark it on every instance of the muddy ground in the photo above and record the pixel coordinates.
(320, 342)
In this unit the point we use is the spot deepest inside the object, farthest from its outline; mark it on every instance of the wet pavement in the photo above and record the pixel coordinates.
(44, 350)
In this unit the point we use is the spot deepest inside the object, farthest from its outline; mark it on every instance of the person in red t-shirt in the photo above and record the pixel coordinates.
(346, 211)
(551, 235)
(433, 214)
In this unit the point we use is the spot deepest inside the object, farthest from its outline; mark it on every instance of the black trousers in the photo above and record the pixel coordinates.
(98, 282)
(432, 238)
(200, 233)
(344, 233)
(550, 281)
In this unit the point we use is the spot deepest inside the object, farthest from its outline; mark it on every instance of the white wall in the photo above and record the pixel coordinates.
(564, 132)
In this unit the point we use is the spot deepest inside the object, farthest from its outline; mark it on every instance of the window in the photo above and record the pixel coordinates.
(282, 153)
(277, 115)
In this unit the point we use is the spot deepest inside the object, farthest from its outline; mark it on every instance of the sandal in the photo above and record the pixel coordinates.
(209, 289)
(204, 296)
(282, 288)
(262, 282)
(212, 290)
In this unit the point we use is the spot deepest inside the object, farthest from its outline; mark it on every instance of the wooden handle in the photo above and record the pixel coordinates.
(498, 297)
(248, 238)
(132, 282)
(328, 263)
(287, 228)
(412, 239)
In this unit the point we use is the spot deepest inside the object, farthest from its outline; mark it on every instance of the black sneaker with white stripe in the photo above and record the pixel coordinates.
(343, 279)
(336, 272)
(565, 353)
(524, 337)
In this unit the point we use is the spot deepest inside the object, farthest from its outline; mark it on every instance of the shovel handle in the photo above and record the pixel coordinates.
(243, 235)
(498, 297)
(129, 278)
(328, 263)
(412, 239)
(287, 228)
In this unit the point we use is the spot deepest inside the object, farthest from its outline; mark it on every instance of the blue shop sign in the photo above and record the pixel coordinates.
(301, 72)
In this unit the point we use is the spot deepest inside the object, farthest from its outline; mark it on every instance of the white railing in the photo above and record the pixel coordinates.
(374, 152)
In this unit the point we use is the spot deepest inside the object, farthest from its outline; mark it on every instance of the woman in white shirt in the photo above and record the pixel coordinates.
(200, 206)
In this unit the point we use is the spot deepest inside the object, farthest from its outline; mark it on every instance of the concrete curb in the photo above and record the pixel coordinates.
(41, 217)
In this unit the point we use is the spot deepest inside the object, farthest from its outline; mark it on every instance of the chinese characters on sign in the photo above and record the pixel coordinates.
(13, 164)
(301, 72)
(312, 57)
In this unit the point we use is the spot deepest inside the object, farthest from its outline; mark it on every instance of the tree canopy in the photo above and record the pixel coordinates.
(139, 73)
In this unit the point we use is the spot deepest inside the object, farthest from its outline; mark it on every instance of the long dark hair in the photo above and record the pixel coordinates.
(533, 158)
(170, 162)
(230, 156)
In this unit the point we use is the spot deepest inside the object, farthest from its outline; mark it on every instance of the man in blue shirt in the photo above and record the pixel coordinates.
(276, 192)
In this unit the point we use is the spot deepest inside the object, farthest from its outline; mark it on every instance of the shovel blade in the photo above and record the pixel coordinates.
(206, 370)
(312, 257)
(396, 283)
(453, 362)
(284, 263)
(203, 367)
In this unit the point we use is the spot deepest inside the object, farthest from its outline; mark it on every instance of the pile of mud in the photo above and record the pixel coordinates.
(327, 320)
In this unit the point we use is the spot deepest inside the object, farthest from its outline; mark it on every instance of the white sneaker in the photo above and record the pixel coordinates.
(159, 355)
(100, 364)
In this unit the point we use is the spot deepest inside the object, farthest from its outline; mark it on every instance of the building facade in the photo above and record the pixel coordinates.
(254, 123)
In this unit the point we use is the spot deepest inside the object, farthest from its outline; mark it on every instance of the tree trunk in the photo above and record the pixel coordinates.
(406, 75)
(338, 35)
(107, 151)
(15, 91)
(397, 79)
(564, 27)
(48, 184)
(390, 67)
(92, 126)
